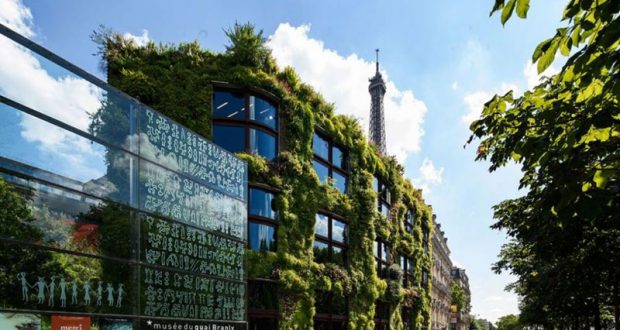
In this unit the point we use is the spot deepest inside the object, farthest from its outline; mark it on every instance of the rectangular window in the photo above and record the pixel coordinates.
(321, 170)
(262, 237)
(330, 239)
(330, 161)
(262, 220)
(382, 257)
(384, 197)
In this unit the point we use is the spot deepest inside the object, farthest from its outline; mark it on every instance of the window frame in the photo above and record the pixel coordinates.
(384, 196)
(426, 233)
(329, 162)
(410, 223)
(329, 239)
(379, 262)
(261, 220)
(408, 271)
(258, 313)
(246, 123)
(330, 317)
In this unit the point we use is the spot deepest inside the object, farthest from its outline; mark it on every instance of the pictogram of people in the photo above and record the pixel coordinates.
(99, 293)
(41, 285)
(74, 293)
(25, 286)
(110, 290)
(87, 289)
(52, 289)
(63, 292)
(120, 292)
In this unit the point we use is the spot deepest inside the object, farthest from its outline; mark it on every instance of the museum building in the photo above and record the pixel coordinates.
(335, 237)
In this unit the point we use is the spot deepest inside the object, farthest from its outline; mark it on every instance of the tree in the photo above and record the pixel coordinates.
(565, 133)
(247, 47)
(508, 322)
(459, 298)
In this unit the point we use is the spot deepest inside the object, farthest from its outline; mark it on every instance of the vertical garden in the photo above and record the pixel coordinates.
(180, 80)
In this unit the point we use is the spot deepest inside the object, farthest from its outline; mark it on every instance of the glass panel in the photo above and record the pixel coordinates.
(321, 325)
(62, 157)
(263, 112)
(410, 266)
(385, 252)
(340, 182)
(50, 89)
(339, 305)
(321, 251)
(321, 225)
(338, 256)
(321, 303)
(339, 325)
(67, 220)
(375, 184)
(231, 138)
(339, 231)
(339, 158)
(385, 210)
(40, 279)
(375, 248)
(228, 105)
(261, 203)
(320, 147)
(262, 237)
(321, 171)
(263, 144)
(263, 295)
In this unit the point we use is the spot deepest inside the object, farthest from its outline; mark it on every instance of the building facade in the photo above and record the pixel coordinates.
(460, 320)
(442, 279)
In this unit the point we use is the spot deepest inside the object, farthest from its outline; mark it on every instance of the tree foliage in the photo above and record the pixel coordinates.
(509, 322)
(459, 298)
(565, 133)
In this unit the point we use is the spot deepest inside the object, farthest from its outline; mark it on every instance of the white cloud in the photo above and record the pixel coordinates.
(455, 85)
(140, 40)
(530, 71)
(16, 16)
(344, 81)
(25, 78)
(475, 100)
(429, 176)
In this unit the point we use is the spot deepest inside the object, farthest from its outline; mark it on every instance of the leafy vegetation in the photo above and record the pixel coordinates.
(565, 134)
(459, 298)
(177, 80)
(509, 322)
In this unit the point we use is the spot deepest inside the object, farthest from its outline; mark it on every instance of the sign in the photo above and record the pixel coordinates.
(152, 324)
(62, 322)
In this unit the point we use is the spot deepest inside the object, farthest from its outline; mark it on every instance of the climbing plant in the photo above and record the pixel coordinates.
(177, 81)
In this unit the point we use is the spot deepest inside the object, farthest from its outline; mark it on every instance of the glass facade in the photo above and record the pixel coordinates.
(237, 129)
(330, 240)
(330, 161)
(262, 220)
(118, 214)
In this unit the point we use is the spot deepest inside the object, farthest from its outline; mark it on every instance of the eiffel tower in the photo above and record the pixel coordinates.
(377, 120)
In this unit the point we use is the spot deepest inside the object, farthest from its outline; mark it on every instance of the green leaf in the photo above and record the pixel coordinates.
(594, 89)
(523, 6)
(586, 186)
(516, 156)
(600, 178)
(507, 11)
(542, 47)
(548, 56)
(596, 135)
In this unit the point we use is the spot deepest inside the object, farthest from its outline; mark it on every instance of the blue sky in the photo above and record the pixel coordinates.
(442, 59)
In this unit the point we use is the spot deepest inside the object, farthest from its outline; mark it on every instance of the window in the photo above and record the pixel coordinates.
(262, 305)
(406, 264)
(382, 316)
(425, 238)
(410, 221)
(239, 130)
(262, 220)
(424, 277)
(384, 200)
(330, 161)
(406, 314)
(331, 311)
(382, 256)
(330, 239)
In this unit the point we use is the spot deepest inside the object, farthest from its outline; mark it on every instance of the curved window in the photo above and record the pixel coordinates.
(261, 203)
(263, 144)
(263, 112)
(244, 122)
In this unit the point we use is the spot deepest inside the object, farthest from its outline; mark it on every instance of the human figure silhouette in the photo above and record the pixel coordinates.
(110, 292)
(99, 293)
(63, 292)
(87, 293)
(41, 290)
(52, 289)
(120, 292)
(25, 286)
(74, 293)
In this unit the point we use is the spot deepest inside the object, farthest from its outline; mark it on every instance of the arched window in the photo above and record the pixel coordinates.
(244, 121)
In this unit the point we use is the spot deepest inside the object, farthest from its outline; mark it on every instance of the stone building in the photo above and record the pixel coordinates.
(460, 320)
(441, 281)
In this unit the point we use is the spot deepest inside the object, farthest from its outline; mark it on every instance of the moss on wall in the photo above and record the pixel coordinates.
(177, 81)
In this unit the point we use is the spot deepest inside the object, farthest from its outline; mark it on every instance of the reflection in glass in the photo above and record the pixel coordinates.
(339, 306)
(339, 158)
(337, 255)
(263, 112)
(339, 231)
(321, 225)
(262, 237)
(340, 181)
(321, 252)
(385, 209)
(385, 253)
(231, 138)
(375, 248)
(263, 295)
(321, 171)
(263, 144)
(321, 303)
(261, 203)
(263, 323)
(228, 105)
(320, 147)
